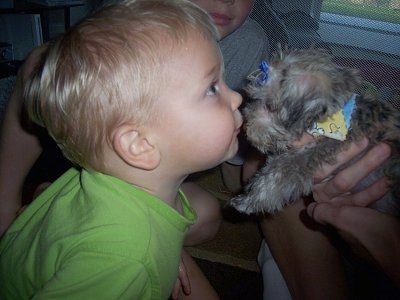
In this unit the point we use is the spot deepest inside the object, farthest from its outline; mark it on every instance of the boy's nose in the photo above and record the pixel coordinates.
(236, 99)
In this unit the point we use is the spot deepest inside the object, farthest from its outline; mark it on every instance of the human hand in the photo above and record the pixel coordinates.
(372, 234)
(336, 189)
(182, 283)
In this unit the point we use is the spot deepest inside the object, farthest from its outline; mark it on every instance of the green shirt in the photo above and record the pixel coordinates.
(92, 236)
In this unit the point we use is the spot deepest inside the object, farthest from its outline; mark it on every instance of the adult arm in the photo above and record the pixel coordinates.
(365, 229)
(303, 250)
(372, 234)
(19, 148)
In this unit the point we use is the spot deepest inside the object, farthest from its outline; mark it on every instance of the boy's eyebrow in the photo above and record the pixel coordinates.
(213, 69)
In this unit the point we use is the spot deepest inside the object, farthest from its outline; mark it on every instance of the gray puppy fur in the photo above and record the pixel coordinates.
(305, 86)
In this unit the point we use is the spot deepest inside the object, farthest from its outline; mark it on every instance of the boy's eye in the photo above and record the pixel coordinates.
(212, 90)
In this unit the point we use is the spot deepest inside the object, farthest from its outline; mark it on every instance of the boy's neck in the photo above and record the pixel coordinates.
(162, 184)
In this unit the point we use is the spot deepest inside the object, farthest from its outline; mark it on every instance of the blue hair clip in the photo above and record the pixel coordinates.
(264, 69)
(264, 72)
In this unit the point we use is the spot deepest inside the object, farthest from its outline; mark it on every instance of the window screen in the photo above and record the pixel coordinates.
(363, 34)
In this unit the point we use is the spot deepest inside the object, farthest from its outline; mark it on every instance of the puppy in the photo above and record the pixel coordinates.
(300, 91)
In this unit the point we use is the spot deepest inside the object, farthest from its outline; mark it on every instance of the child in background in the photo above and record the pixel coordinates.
(135, 97)
(242, 41)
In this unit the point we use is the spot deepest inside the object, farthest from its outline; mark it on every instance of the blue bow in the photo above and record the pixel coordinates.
(263, 73)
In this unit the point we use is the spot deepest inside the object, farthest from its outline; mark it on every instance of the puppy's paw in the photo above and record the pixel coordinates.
(260, 196)
(279, 183)
(242, 204)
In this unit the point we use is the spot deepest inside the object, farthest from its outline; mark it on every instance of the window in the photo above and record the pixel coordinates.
(380, 10)
(362, 34)
(368, 24)
(366, 35)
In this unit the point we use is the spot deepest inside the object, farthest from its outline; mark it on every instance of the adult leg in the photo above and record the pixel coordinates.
(209, 220)
(209, 217)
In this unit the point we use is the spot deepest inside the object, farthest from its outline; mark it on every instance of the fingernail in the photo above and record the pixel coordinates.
(384, 150)
(362, 143)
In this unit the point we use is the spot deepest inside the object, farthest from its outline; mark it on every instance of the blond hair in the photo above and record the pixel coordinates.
(108, 70)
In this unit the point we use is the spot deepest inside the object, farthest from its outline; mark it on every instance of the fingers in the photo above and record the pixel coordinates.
(378, 233)
(369, 162)
(182, 282)
(358, 225)
(362, 198)
(338, 216)
(348, 178)
(177, 290)
(304, 140)
(366, 225)
(342, 158)
(184, 278)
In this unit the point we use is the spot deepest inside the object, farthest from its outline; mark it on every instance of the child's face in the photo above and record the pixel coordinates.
(228, 15)
(199, 119)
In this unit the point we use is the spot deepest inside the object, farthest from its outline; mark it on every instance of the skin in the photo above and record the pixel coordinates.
(200, 100)
(15, 161)
(209, 109)
(13, 156)
(160, 166)
(302, 268)
(373, 235)
(303, 250)
(228, 15)
(21, 161)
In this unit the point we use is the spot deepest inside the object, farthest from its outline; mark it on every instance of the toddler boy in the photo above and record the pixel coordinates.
(135, 97)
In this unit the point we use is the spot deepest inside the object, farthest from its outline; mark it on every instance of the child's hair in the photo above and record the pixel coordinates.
(108, 70)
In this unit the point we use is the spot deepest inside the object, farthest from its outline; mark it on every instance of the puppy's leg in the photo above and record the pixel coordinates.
(284, 179)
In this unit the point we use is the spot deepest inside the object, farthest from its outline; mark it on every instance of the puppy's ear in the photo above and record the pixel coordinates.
(133, 147)
(350, 80)
(305, 99)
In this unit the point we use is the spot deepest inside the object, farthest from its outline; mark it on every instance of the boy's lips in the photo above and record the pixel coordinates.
(220, 19)
(237, 130)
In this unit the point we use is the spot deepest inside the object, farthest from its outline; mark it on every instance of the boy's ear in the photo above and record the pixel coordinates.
(135, 149)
